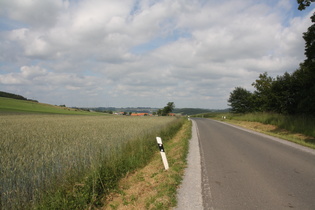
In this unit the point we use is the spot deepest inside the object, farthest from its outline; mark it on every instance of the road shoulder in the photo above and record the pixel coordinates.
(190, 192)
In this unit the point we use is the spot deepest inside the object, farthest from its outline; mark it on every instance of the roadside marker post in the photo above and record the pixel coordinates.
(162, 151)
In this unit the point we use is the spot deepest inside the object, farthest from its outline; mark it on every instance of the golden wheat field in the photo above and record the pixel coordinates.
(38, 151)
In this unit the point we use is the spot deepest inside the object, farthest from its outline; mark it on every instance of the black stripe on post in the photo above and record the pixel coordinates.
(161, 147)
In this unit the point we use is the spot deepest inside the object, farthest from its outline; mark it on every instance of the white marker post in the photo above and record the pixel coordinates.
(162, 151)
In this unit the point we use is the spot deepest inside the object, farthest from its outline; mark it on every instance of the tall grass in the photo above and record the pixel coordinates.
(67, 162)
(294, 123)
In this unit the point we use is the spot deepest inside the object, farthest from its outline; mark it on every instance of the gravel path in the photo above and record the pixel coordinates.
(189, 195)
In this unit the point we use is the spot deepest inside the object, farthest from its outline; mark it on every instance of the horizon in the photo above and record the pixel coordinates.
(94, 53)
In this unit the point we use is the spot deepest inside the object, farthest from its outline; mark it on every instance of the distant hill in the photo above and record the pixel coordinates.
(194, 111)
(183, 111)
(11, 105)
(10, 102)
(12, 95)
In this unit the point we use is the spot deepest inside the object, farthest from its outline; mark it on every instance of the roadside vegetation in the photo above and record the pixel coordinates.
(298, 129)
(152, 187)
(72, 161)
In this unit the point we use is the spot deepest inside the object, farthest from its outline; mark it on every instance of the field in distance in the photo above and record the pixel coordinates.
(9, 106)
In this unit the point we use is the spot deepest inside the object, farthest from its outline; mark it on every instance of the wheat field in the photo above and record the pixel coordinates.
(42, 152)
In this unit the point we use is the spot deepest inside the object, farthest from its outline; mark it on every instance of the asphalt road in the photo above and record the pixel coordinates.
(246, 170)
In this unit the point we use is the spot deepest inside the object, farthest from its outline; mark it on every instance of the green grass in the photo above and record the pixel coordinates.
(71, 161)
(297, 124)
(14, 106)
(153, 187)
(293, 124)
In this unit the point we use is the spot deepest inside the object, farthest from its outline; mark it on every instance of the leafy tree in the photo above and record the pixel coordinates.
(304, 3)
(309, 38)
(167, 109)
(303, 81)
(263, 95)
(305, 76)
(11, 95)
(284, 89)
(241, 100)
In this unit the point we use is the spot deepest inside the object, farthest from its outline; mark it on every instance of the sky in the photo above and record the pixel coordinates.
(145, 53)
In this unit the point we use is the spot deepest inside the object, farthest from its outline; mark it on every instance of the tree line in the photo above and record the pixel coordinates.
(286, 94)
(14, 96)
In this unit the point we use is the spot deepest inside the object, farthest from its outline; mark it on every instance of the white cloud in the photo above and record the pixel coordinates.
(194, 52)
(36, 13)
(36, 79)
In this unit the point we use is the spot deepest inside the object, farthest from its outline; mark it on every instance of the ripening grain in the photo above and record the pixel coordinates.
(41, 152)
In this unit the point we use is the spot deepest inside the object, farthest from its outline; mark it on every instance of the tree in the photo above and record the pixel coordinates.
(263, 94)
(304, 3)
(167, 109)
(241, 100)
(284, 89)
(306, 74)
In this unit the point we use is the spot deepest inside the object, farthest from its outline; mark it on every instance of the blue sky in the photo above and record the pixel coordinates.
(145, 52)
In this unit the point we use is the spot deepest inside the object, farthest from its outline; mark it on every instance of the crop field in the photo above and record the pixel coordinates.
(43, 155)
(9, 106)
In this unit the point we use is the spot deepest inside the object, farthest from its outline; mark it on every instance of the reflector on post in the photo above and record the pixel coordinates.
(162, 151)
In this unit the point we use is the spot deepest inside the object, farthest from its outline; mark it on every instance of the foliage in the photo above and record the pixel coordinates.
(263, 94)
(241, 100)
(167, 109)
(11, 95)
(67, 162)
(304, 3)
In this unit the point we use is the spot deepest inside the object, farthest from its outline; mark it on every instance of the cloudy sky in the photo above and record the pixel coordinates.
(131, 53)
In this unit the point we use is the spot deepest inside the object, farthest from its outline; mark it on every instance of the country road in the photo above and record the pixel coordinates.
(249, 171)
(242, 169)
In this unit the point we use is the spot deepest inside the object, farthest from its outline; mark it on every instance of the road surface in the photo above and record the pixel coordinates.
(245, 170)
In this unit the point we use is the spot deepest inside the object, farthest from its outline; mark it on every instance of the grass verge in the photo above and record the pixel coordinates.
(273, 130)
(151, 187)
(297, 129)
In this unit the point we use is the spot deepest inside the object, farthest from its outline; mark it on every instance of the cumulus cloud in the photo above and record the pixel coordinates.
(35, 13)
(146, 53)
(41, 82)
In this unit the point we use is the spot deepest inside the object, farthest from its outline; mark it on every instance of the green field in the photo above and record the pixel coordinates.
(58, 161)
(9, 106)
